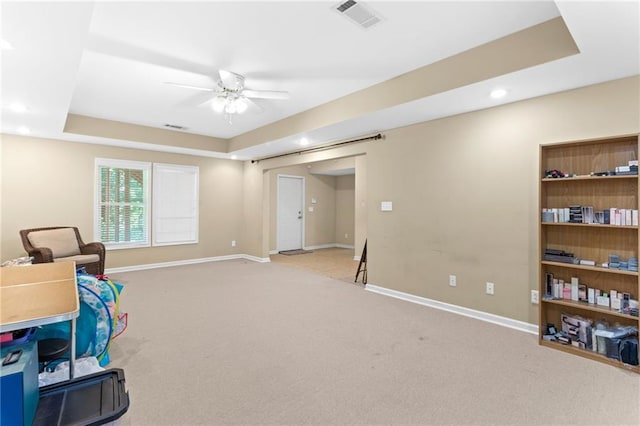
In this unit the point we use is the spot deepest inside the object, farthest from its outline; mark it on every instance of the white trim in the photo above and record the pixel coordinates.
(345, 246)
(324, 246)
(357, 258)
(460, 310)
(319, 247)
(256, 259)
(302, 207)
(187, 262)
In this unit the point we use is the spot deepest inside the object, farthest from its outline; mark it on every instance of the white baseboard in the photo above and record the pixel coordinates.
(186, 262)
(356, 258)
(460, 310)
(321, 246)
(256, 258)
(345, 246)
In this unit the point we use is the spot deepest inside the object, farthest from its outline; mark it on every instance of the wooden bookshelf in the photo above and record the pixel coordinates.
(589, 241)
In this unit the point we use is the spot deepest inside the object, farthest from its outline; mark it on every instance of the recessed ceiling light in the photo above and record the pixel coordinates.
(498, 93)
(234, 157)
(24, 130)
(5, 45)
(304, 142)
(17, 107)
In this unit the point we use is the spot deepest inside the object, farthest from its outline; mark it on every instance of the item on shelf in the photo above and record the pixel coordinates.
(629, 350)
(555, 174)
(606, 173)
(616, 263)
(612, 339)
(627, 170)
(575, 214)
(554, 255)
(578, 328)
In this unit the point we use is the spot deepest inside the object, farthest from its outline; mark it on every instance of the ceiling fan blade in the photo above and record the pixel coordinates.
(265, 94)
(188, 86)
(231, 80)
(254, 106)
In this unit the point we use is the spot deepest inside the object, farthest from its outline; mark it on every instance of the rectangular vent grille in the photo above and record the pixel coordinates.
(358, 13)
(346, 5)
(174, 126)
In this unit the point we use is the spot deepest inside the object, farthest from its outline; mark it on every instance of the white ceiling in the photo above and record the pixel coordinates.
(110, 60)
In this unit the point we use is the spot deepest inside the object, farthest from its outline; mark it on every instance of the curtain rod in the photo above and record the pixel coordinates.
(322, 148)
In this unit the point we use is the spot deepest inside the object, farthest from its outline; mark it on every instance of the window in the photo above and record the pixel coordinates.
(175, 204)
(122, 213)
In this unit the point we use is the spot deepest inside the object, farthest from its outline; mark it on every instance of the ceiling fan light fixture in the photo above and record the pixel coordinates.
(230, 107)
(219, 103)
(241, 104)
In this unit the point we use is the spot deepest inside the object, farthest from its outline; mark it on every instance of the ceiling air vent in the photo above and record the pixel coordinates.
(174, 126)
(358, 13)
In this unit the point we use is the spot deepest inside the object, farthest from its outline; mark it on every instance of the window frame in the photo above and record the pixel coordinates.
(101, 163)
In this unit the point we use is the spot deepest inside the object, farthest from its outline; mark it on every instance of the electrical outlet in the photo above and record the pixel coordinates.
(233, 243)
(452, 280)
(346, 236)
(534, 297)
(489, 288)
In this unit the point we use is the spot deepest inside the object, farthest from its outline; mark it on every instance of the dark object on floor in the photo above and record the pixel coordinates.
(293, 252)
(362, 266)
(95, 399)
(50, 350)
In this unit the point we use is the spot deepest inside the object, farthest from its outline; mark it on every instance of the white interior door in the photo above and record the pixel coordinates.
(290, 223)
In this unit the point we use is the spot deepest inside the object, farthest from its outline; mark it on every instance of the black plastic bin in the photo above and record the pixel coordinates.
(94, 399)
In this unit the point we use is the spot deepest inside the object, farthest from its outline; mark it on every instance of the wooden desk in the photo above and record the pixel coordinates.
(40, 294)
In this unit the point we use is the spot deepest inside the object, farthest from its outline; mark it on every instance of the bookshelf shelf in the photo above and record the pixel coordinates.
(592, 225)
(590, 354)
(589, 268)
(600, 310)
(589, 177)
(586, 240)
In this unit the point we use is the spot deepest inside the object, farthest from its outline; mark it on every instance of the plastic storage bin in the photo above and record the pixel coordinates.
(95, 399)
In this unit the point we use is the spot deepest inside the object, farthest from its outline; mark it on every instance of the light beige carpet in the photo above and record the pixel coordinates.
(239, 342)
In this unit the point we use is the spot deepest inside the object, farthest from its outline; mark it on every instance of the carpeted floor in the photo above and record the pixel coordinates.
(239, 342)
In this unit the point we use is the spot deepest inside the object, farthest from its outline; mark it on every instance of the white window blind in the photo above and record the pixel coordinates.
(175, 204)
(121, 212)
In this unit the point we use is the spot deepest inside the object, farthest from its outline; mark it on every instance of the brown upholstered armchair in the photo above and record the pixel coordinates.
(63, 244)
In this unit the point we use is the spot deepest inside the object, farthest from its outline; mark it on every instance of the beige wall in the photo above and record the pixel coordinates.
(465, 194)
(345, 209)
(360, 225)
(50, 182)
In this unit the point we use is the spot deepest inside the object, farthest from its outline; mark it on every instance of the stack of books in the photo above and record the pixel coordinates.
(553, 255)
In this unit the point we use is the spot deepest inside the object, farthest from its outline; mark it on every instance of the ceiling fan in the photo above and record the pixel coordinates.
(231, 96)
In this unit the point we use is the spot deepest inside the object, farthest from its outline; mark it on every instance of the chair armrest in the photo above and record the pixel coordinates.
(93, 248)
(41, 255)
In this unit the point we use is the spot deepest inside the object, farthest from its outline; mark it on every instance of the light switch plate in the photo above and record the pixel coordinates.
(386, 206)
